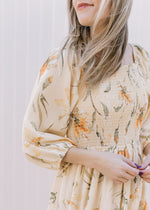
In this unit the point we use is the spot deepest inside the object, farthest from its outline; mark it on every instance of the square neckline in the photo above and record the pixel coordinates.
(134, 63)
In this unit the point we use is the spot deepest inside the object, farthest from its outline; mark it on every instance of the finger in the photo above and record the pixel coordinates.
(118, 182)
(128, 176)
(129, 162)
(130, 170)
(145, 172)
(145, 164)
(147, 180)
(122, 179)
(147, 176)
(143, 167)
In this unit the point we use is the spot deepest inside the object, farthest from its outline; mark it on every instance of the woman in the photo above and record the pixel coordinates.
(89, 112)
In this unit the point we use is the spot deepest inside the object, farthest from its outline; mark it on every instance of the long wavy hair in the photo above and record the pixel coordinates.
(98, 56)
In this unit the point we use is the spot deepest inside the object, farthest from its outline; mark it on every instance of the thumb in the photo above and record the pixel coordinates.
(128, 161)
(144, 164)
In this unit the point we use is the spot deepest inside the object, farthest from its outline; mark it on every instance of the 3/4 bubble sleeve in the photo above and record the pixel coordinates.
(46, 118)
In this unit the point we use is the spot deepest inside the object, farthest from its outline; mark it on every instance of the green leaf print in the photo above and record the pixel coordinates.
(100, 178)
(53, 196)
(88, 93)
(105, 109)
(133, 111)
(49, 127)
(140, 73)
(139, 47)
(94, 105)
(89, 184)
(63, 59)
(124, 200)
(40, 112)
(34, 125)
(135, 179)
(75, 184)
(108, 88)
(131, 77)
(117, 208)
(126, 129)
(97, 133)
(85, 172)
(101, 139)
(118, 108)
(111, 148)
(116, 135)
(41, 98)
(33, 106)
(46, 84)
(93, 118)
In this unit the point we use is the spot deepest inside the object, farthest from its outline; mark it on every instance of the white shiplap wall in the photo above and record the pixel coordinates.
(28, 30)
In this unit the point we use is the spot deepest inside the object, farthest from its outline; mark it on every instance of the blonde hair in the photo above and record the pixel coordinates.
(99, 56)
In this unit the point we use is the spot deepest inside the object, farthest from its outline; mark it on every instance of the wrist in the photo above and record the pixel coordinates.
(95, 159)
(88, 157)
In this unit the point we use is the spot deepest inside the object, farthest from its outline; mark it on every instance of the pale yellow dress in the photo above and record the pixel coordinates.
(113, 117)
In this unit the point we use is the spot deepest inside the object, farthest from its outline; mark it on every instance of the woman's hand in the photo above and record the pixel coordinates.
(115, 166)
(145, 169)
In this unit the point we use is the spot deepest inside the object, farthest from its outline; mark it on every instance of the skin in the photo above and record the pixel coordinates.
(123, 169)
(87, 15)
(144, 168)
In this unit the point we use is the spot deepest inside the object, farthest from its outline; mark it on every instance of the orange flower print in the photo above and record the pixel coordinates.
(44, 67)
(80, 120)
(68, 203)
(68, 141)
(46, 63)
(140, 118)
(64, 104)
(135, 194)
(50, 79)
(124, 94)
(109, 136)
(36, 140)
(26, 144)
(47, 82)
(37, 153)
(121, 152)
(116, 135)
(143, 204)
(124, 153)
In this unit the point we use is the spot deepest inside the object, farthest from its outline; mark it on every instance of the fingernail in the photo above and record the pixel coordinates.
(140, 173)
(137, 165)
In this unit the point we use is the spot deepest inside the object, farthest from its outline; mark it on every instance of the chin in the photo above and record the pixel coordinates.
(84, 23)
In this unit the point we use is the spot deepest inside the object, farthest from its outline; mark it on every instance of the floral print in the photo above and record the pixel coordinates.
(113, 117)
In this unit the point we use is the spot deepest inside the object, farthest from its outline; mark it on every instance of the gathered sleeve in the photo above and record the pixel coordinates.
(145, 128)
(46, 118)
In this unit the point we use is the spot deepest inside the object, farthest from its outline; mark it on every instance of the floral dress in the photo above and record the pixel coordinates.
(113, 117)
